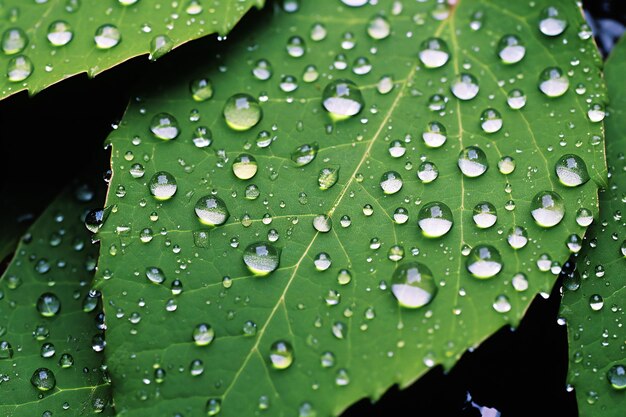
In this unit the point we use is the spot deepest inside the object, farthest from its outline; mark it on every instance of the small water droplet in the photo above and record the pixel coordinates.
(305, 154)
(413, 285)
(427, 172)
(485, 215)
(281, 355)
(201, 89)
(48, 305)
(203, 334)
(159, 46)
(435, 135)
(391, 182)
(490, 121)
(164, 126)
(59, 33)
(245, 166)
(14, 40)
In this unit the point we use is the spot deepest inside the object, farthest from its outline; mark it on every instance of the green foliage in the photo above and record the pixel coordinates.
(54, 257)
(342, 335)
(593, 303)
(44, 42)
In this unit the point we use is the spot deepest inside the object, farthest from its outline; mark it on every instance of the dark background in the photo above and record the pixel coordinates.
(57, 135)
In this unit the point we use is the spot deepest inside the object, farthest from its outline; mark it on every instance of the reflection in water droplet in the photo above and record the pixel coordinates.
(502, 304)
(155, 275)
(201, 89)
(596, 113)
(245, 166)
(547, 208)
(296, 46)
(435, 219)
(616, 375)
(262, 70)
(511, 49)
(107, 36)
(596, 302)
(305, 154)
(552, 23)
(519, 282)
(213, 407)
(516, 99)
(506, 165)
(391, 182)
(14, 40)
(485, 215)
(322, 261)
(203, 334)
(484, 261)
(472, 162)
(434, 53)
(584, 217)
(490, 121)
(43, 379)
(378, 27)
(517, 237)
(435, 135)
(427, 172)
(59, 33)
(571, 170)
(342, 99)
(159, 46)
(327, 177)
(553, 82)
(281, 355)
(162, 185)
(242, 112)
(164, 126)
(465, 87)
(211, 210)
(344, 277)
(48, 305)
(322, 223)
(413, 285)
(19, 68)
(261, 258)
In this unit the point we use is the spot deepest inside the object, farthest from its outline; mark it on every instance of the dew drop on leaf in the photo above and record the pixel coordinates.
(281, 355)
(342, 99)
(242, 112)
(211, 210)
(490, 121)
(616, 375)
(547, 208)
(552, 22)
(435, 219)
(553, 82)
(435, 135)
(203, 334)
(391, 182)
(484, 261)
(516, 99)
(427, 172)
(413, 285)
(164, 126)
(48, 305)
(19, 68)
(261, 258)
(43, 379)
(304, 154)
(484, 215)
(511, 50)
(472, 162)
(465, 87)
(162, 186)
(107, 36)
(14, 40)
(59, 33)
(201, 89)
(434, 53)
(245, 166)
(571, 170)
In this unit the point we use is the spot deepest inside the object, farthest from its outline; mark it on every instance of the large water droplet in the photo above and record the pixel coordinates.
(342, 99)
(327, 177)
(553, 82)
(391, 182)
(48, 305)
(6, 350)
(511, 49)
(211, 210)
(435, 219)
(242, 112)
(201, 89)
(484, 261)
(378, 27)
(19, 68)
(552, 23)
(490, 121)
(571, 170)
(164, 126)
(262, 70)
(322, 223)
(296, 46)
(213, 407)
(14, 40)
(162, 185)
(434, 53)
(281, 354)
(517, 237)
(203, 334)
(547, 208)
(435, 135)
(245, 166)
(516, 99)
(427, 172)
(413, 285)
(59, 33)
(43, 379)
(616, 376)
(485, 215)
(472, 162)
(261, 258)
(465, 87)
(107, 36)
(155, 275)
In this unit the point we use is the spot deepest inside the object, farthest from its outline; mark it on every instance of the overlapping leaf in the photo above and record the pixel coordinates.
(44, 42)
(349, 337)
(51, 326)
(593, 303)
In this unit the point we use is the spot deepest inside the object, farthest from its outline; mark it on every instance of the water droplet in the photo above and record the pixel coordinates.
(484, 261)
(596, 113)
(213, 407)
(465, 87)
(378, 27)
(59, 33)
(66, 361)
(107, 36)
(322, 261)
(327, 360)
(435, 219)
(19, 68)
(14, 40)
(434, 53)
(490, 121)
(571, 170)
(516, 99)
(201, 89)
(327, 177)
(281, 355)
(322, 223)
(159, 46)
(261, 258)
(305, 154)
(342, 99)
(391, 182)
(47, 350)
(344, 277)
(6, 350)
(517, 237)
(242, 112)
(211, 210)
(164, 126)
(616, 376)
(162, 185)
(511, 49)
(202, 137)
(413, 285)
(506, 165)
(435, 135)
(306, 409)
(203, 334)
(245, 166)
(427, 172)
(596, 302)
(547, 208)
(155, 275)
(342, 378)
(553, 82)
(472, 162)
(519, 282)
(296, 46)
(318, 32)
(48, 305)
(502, 304)
(262, 70)
(485, 215)
(584, 217)
(43, 379)
(552, 22)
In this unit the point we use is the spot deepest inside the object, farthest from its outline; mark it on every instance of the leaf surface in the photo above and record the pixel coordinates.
(593, 303)
(348, 335)
(55, 258)
(44, 42)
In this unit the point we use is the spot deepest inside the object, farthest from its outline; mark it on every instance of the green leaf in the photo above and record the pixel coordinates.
(349, 336)
(593, 303)
(54, 263)
(44, 42)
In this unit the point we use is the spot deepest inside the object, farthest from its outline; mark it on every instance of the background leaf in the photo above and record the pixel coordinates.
(54, 257)
(593, 303)
(349, 339)
(44, 42)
